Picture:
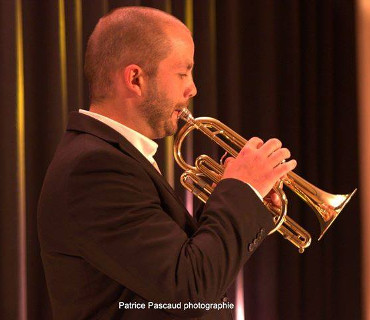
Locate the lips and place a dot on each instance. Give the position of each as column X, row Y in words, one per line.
column 179, row 111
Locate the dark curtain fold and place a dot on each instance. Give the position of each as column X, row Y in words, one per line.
column 265, row 68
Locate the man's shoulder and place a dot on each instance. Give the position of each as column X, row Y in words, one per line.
column 86, row 149
column 84, row 142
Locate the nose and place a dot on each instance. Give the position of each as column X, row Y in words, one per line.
column 191, row 91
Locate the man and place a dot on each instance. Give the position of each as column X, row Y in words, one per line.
column 115, row 239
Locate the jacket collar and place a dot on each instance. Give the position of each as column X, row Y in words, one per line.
column 83, row 123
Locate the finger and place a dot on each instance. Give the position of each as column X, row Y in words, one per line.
column 275, row 199
column 270, row 146
column 279, row 156
column 283, row 168
column 254, row 143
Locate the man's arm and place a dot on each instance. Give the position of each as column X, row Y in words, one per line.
column 120, row 228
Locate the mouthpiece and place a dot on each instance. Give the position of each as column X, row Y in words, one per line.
column 186, row 115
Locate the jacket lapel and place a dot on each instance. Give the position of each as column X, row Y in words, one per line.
column 84, row 123
column 129, row 149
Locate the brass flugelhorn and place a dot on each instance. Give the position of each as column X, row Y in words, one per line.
column 199, row 179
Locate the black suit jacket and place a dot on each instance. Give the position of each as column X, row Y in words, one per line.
column 112, row 230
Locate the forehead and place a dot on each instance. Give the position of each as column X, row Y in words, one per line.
column 182, row 53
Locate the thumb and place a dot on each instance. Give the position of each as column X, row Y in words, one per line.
column 228, row 161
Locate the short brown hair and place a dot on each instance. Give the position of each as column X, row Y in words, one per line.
column 131, row 35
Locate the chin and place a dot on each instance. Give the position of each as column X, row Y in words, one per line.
column 175, row 126
column 171, row 129
column 171, row 132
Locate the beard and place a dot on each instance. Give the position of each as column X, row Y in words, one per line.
column 158, row 111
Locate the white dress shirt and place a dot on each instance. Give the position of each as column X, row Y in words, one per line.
column 146, row 146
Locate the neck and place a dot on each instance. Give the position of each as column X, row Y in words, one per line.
column 124, row 113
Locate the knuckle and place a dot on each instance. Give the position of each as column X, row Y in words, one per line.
column 249, row 147
column 228, row 160
column 257, row 157
column 245, row 150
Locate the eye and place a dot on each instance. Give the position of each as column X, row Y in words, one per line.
column 183, row 75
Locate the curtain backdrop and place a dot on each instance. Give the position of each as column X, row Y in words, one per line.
column 283, row 69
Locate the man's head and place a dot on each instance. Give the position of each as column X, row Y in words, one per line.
column 141, row 59
column 131, row 35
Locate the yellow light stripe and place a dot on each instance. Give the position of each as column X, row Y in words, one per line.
column 168, row 6
column 189, row 14
column 63, row 61
column 21, row 167
column 169, row 163
column 189, row 145
column 189, row 23
column 78, row 30
column 105, row 6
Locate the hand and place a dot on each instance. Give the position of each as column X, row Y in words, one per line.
column 260, row 164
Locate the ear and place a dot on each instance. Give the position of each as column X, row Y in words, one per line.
column 133, row 78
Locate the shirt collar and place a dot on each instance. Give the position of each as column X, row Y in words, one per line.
column 145, row 145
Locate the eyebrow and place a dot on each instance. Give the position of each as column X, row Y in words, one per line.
column 188, row 66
